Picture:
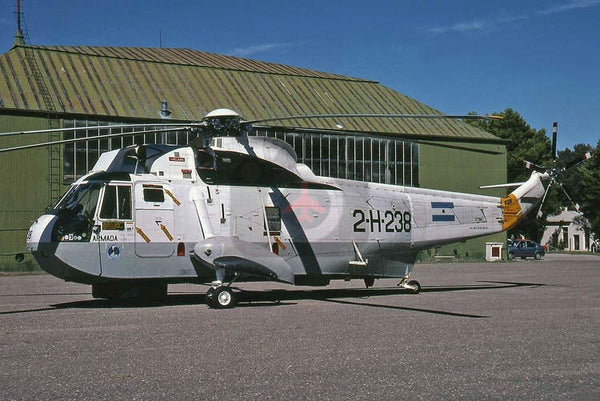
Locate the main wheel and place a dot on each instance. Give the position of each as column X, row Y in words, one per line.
column 220, row 298
column 369, row 281
column 416, row 286
column 210, row 295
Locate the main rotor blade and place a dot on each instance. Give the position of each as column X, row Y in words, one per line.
column 50, row 130
column 95, row 138
column 357, row 115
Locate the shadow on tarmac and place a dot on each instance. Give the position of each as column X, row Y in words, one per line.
column 270, row 298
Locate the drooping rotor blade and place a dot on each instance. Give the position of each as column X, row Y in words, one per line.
column 575, row 204
column 358, row 115
column 95, row 138
column 50, row 130
column 540, row 210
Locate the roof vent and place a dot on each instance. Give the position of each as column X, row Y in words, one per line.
column 164, row 110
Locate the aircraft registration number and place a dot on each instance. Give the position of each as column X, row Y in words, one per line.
column 389, row 221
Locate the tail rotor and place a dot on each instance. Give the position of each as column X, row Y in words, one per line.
column 555, row 171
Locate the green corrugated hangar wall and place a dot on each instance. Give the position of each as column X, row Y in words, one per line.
column 463, row 167
column 109, row 84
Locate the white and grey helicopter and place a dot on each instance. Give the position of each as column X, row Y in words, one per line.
column 232, row 207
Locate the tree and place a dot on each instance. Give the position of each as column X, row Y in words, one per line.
column 523, row 143
column 582, row 183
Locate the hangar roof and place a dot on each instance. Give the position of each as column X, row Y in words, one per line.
column 131, row 82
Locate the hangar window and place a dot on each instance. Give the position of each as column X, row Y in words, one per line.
column 354, row 157
column 80, row 157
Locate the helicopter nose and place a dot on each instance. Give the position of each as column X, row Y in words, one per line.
column 43, row 249
column 40, row 233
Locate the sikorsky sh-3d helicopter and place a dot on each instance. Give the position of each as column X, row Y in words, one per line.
column 232, row 207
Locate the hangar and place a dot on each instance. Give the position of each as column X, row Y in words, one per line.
column 76, row 86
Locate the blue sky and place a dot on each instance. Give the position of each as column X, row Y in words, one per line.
column 541, row 58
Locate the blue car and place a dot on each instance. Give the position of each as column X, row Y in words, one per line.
column 525, row 248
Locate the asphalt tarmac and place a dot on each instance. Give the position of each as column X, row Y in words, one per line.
column 511, row 330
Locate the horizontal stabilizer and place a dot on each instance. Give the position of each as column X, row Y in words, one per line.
column 509, row 185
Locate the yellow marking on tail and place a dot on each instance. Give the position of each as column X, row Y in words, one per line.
column 512, row 213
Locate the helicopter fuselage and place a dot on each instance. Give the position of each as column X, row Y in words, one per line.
column 263, row 216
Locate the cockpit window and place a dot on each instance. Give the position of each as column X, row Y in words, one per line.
column 81, row 199
column 116, row 202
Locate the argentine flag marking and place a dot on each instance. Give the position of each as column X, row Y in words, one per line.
column 442, row 211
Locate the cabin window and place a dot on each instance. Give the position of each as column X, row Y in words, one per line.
column 154, row 195
column 273, row 214
column 116, row 203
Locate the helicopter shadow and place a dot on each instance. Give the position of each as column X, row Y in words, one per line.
column 276, row 298
column 349, row 296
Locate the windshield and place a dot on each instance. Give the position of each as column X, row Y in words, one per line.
column 81, row 199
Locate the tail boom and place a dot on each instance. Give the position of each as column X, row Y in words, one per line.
column 522, row 200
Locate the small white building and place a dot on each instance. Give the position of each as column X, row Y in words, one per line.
column 568, row 231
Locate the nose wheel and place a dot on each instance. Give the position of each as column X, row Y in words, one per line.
column 220, row 297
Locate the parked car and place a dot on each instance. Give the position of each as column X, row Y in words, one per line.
column 525, row 248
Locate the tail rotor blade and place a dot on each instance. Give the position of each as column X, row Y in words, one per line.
column 575, row 204
column 540, row 211
column 532, row 166
column 580, row 160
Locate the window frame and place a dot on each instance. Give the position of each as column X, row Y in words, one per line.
column 101, row 202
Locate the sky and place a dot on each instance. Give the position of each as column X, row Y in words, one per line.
column 540, row 58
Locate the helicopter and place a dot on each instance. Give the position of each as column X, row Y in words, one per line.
column 230, row 207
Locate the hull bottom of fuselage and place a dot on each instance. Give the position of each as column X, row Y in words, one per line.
column 53, row 265
column 317, row 265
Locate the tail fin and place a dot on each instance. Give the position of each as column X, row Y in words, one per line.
column 523, row 199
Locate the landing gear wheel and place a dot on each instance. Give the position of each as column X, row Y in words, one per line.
column 414, row 286
column 220, row 297
column 369, row 281
column 210, row 294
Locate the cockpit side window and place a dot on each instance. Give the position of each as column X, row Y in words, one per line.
column 124, row 202
column 81, row 199
column 116, row 203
